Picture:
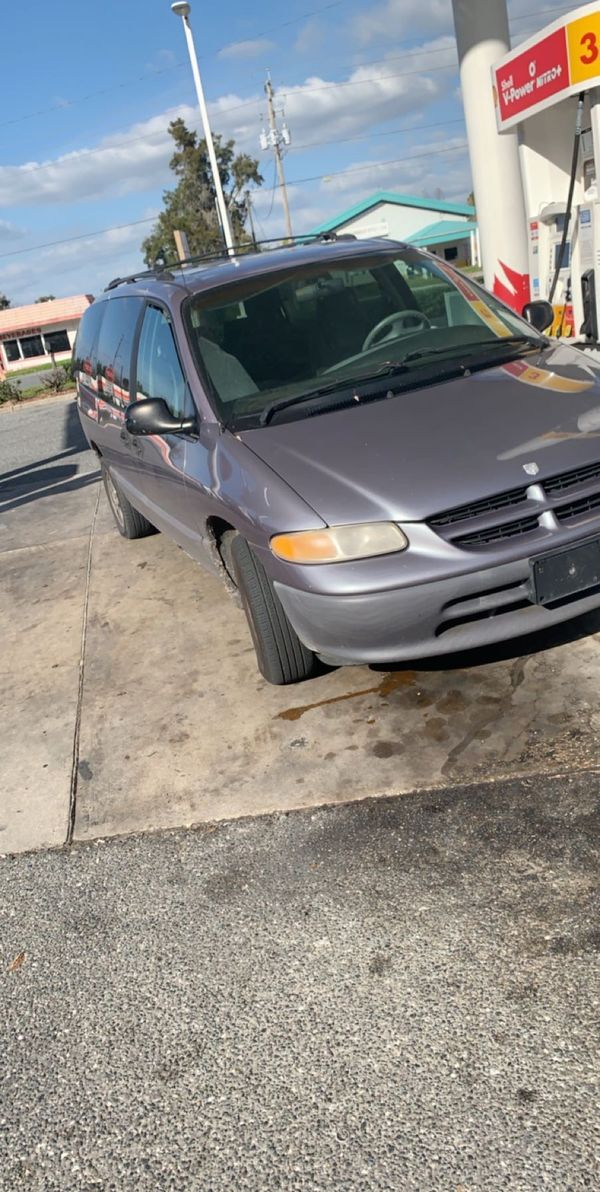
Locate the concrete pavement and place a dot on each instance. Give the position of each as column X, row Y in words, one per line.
column 384, row 997
column 131, row 699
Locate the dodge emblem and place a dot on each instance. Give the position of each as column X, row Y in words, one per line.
column 531, row 469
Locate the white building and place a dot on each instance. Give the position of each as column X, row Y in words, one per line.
column 447, row 229
column 36, row 334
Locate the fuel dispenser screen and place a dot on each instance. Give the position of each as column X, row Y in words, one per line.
column 566, row 260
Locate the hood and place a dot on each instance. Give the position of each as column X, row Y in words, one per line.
column 407, row 457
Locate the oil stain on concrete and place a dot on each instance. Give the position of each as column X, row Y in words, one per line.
column 178, row 727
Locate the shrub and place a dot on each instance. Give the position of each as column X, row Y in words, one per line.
column 10, row 390
column 68, row 368
column 56, row 379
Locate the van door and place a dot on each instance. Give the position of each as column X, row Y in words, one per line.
column 111, row 367
column 159, row 461
column 84, row 358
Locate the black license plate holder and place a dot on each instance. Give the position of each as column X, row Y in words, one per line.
column 566, row 573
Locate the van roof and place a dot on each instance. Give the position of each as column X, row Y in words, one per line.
column 210, row 272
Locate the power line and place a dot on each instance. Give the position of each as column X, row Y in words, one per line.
column 71, row 103
column 374, row 164
column 293, row 182
column 250, row 102
column 17, row 252
column 70, row 158
column 526, row 15
column 390, row 132
column 273, row 29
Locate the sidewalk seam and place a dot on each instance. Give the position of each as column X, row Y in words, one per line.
column 77, row 729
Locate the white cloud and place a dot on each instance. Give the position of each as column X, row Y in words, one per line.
column 525, row 21
column 422, row 167
column 247, row 49
column 317, row 109
column 83, row 266
column 134, row 160
column 162, row 60
column 310, row 37
column 394, row 20
column 9, row 232
column 425, row 169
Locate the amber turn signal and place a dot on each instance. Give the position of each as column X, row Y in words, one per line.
column 339, row 544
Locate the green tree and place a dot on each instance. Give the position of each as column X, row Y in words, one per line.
column 4, row 302
column 190, row 206
column 46, row 298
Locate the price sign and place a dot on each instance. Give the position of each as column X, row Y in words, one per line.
column 584, row 48
column 560, row 60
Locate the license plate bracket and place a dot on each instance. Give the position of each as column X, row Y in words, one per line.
column 566, row 573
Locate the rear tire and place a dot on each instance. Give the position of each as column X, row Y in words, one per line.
column 130, row 523
column 282, row 658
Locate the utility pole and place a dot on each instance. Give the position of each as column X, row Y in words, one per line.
column 274, row 139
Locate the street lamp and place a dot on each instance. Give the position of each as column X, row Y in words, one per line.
column 182, row 9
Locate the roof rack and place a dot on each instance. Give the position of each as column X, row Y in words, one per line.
column 158, row 271
column 161, row 269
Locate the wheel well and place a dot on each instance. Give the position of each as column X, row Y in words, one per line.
column 217, row 527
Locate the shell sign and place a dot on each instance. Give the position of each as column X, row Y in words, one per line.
column 561, row 60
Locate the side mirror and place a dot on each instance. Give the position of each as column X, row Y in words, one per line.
column 152, row 416
column 539, row 313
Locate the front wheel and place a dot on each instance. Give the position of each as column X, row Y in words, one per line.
column 282, row 658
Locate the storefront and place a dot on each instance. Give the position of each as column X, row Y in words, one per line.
column 40, row 333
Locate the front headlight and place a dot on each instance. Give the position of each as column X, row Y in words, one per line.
column 338, row 544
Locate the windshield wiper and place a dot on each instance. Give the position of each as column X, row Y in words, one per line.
column 393, row 368
column 481, row 345
column 283, row 403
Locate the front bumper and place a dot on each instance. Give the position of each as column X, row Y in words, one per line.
column 438, row 617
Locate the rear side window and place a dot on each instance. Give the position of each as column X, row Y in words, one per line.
column 115, row 348
column 87, row 334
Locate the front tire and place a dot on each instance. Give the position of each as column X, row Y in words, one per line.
column 130, row 523
column 282, row 658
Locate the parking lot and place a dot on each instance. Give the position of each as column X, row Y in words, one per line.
column 392, row 993
column 131, row 698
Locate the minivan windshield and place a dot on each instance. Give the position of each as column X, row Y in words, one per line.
column 268, row 341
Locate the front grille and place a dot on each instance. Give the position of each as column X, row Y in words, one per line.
column 515, row 496
column 502, row 516
column 575, row 509
column 524, row 525
column 558, row 484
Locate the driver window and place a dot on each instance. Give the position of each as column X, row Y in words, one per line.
column 159, row 372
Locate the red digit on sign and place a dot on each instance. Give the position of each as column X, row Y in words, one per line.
column 590, row 41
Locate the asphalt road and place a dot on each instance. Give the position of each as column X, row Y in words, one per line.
column 394, row 995
column 47, row 430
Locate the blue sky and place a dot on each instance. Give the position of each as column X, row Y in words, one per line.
column 370, row 91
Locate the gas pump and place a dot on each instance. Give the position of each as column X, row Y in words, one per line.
column 549, row 266
column 549, row 89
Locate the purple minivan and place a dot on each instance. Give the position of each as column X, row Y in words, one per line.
column 382, row 460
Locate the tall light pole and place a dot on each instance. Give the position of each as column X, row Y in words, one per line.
column 182, row 9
